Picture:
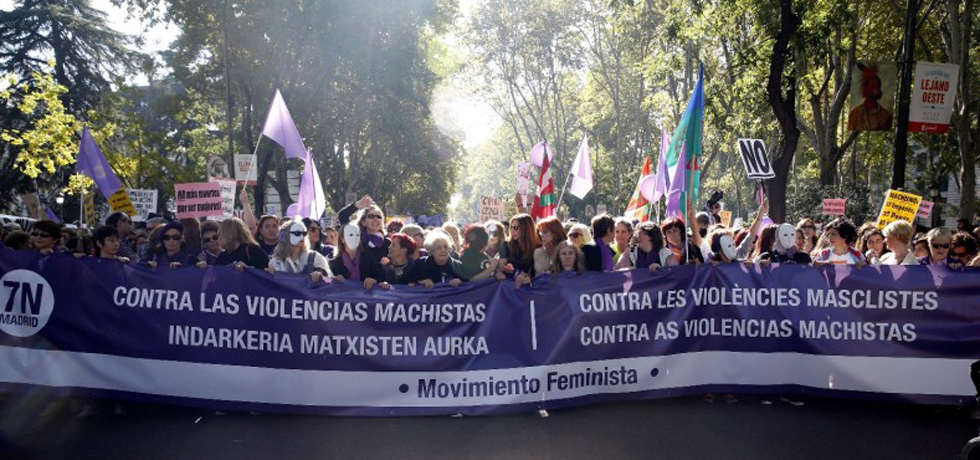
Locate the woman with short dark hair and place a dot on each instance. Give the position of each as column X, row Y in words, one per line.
column 46, row 237
column 172, row 252
column 598, row 254
column 105, row 240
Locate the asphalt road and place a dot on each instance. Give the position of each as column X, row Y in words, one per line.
column 35, row 427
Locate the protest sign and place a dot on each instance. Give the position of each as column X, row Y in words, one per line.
column 218, row 169
column 898, row 206
column 755, row 159
column 491, row 208
column 523, row 179
column 872, row 96
column 33, row 205
column 834, row 206
column 88, row 207
column 198, row 199
column 204, row 337
column 120, row 202
column 933, row 95
column 925, row 208
column 144, row 201
column 726, row 218
column 246, row 169
column 228, row 188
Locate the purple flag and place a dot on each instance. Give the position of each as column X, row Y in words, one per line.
column 663, row 181
column 92, row 163
column 677, row 185
column 279, row 127
column 51, row 215
column 311, row 201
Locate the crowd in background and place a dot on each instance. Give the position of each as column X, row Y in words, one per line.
column 365, row 249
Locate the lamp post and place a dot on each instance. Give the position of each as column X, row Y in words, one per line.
column 936, row 208
column 60, row 201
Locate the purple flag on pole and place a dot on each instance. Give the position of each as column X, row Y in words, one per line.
column 677, row 185
column 279, row 127
column 663, row 181
column 51, row 215
column 92, row 163
column 311, row 201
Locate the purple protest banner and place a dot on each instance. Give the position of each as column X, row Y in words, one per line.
column 205, row 337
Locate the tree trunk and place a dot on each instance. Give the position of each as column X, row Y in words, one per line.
column 960, row 27
column 784, row 108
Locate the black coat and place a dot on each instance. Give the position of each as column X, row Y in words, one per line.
column 368, row 267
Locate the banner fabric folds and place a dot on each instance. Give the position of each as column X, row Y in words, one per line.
column 254, row 341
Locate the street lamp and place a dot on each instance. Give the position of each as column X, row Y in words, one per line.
column 934, row 193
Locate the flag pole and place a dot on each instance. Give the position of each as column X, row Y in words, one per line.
column 562, row 195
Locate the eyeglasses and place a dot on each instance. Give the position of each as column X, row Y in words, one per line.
column 170, row 237
column 940, row 245
column 809, row 227
column 574, row 235
column 208, row 239
column 493, row 233
column 372, row 216
column 41, row 235
column 960, row 254
column 515, row 227
column 298, row 233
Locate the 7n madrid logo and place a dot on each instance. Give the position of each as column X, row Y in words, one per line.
column 26, row 301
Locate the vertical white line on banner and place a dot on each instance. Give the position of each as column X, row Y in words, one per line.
column 534, row 329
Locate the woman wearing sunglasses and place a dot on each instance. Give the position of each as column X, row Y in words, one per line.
column 171, row 252
column 293, row 253
column 940, row 239
column 371, row 221
column 46, row 236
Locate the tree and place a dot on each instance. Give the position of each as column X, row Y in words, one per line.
column 85, row 50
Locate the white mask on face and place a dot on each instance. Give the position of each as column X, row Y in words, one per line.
column 786, row 235
column 352, row 236
column 727, row 246
column 296, row 227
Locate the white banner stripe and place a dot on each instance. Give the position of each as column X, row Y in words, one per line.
column 923, row 376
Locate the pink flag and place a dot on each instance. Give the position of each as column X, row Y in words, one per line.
column 279, row 127
column 663, row 182
column 582, row 170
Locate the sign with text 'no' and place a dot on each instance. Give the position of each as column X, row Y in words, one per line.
column 755, row 159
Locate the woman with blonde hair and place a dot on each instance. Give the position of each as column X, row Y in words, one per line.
column 580, row 235
column 239, row 245
column 898, row 236
column 293, row 253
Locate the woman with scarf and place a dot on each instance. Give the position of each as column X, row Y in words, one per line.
column 598, row 254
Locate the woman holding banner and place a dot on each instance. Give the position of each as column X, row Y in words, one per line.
column 940, row 239
column 840, row 234
column 293, row 255
column 650, row 251
column 171, row 253
column 106, row 242
column 898, row 236
column 240, row 247
column 551, row 232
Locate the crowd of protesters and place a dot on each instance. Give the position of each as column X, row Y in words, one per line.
column 363, row 249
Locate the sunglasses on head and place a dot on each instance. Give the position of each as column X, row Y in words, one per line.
column 170, row 237
column 208, row 239
column 940, row 245
column 298, row 233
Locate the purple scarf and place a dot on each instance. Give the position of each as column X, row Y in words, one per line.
column 607, row 255
column 353, row 264
column 373, row 241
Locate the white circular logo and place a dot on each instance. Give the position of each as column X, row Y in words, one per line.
column 26, row 302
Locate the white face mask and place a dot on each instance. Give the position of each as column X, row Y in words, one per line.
column 727, row 247
column 352, row 236
column 786, row 234
column 297, row 231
